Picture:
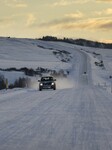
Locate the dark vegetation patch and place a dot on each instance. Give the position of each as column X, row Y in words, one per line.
column 100, row 64
column 81, row 42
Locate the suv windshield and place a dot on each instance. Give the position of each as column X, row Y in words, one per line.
column 47, row 79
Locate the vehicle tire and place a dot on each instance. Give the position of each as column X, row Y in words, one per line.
column 54, row 88
column 40, row 89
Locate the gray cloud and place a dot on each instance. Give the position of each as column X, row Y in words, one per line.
column 106, row 26
column 16, row 3
column 5, row 20
column 104, row 0
column 68, row 2
column 57, row 22
column 72, row 24
column 69, row 18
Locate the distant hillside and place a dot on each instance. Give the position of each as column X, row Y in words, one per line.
column 82, row 42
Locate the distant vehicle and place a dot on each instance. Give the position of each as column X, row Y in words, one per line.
column 47, row 82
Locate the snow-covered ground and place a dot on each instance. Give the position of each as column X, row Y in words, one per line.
column 76, row 116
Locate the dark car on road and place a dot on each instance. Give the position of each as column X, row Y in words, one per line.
column 47, row 82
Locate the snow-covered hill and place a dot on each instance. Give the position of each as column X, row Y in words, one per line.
column 20, row 53
column 28, row 53
column 33, row 53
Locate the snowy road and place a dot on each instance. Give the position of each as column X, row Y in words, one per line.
column 56, row 120
column 65, row 119
column 83, row 79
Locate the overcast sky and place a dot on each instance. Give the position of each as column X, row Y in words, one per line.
column 89, row 19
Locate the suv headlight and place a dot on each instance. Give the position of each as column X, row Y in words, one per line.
column 52, row 83
column 41, row 84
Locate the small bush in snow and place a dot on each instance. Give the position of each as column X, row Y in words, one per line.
column 2, row 82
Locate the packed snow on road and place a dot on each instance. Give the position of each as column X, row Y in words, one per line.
column 75, row 116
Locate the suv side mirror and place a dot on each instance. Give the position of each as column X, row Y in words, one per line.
column 38, row 80
column 54, row 80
